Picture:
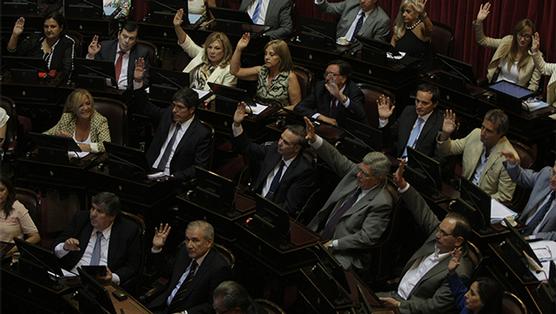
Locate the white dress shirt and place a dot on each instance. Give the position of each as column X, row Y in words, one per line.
column 417, row 271
column 262, row 13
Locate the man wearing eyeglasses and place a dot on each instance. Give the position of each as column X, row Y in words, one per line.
column 424, row 287
column 334, row 98
column 359, row 209
column 539, row 214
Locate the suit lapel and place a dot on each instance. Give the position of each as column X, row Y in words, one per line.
column 187, row 135
column 131, row 66
column 363, row 202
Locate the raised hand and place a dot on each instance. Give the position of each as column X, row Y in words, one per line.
column 19, row 26
column 94, row 47
column 420, row 6
column 536, row 43
column 243, row 41
column 332, row 88
column 311, row 136
column 484, row 10
column 178, row 18
column 454, row 261
column 139, row 71
column 449, row 125
column 511, row 158
column 398, row 175
column 240, row 113
column 160, row 235
column 385, row 107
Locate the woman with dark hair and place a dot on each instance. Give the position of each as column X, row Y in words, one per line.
column 210, row 63
column 56, row 48
column 484, row 296
column 511, row 60
column 276, row 80
column 15, row 221
column 412, row 30
column 82, row 122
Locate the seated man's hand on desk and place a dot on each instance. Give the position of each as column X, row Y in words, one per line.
column 71, row 244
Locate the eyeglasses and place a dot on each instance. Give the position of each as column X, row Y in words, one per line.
column 326, row 74
column 525, row 36
column 443, row 233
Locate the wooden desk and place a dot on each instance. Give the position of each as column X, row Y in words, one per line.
column 129, row 305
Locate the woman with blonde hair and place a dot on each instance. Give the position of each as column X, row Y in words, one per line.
column 210, row 63
column 82, row 122
column 413, row 28
column 511, row 60
column 276, row 81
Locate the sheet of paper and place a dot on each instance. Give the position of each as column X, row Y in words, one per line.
column 543, row 249
column 499, row 211
column 201, row 93
column 78, row 154
column 156, row 175
column 545, row 273
column 193, row 18
column 257, row 108
column 401, row 54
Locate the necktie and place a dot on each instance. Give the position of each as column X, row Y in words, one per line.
column 275, row 181
column 257, row 11
column 330, row 226
column 95, row 257
column 166, row 154
column 413, row 136
column 358, row 24
column 333, row 108
column 541, row 212
column 184, row 288
column 119, row 61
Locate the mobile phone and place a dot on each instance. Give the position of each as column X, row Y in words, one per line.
column 119, row 294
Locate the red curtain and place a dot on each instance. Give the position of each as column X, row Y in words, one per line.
column 459, row 15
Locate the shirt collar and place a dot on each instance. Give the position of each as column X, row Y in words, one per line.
column 426, row 117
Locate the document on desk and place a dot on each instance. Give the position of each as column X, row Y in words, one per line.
column 257, row 108
column 543, row 249
column 499, row 211
column 544, row 274
column 78, row 154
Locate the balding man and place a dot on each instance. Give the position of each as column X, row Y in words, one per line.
column 359, row 209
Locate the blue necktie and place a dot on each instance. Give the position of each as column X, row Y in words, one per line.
column 413, row 136
column 95, row 257
column 257, row 11
column 168, row 150
column 541, row 212
column 358, row 25
column 330, row 227
column 275, row 181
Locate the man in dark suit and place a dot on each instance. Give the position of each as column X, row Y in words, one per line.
column 124, row 52
column 285, row 176
column 418, row 125
column 335, row 98
column 358, row 17
column 359, row 209
column 539, row 214
column 101, row 236
column 198, row 269
column 231, row 297
column 181, row 141
column 273, row 13
column 424, row 286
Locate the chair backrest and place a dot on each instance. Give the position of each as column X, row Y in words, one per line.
column 474, row 254
column 31, row 200
column 211, row 143
column 527, row 157
column 227, row 254
column 116, row 113
column 78, row 38
column 442, row 39
column 269, row 307
column 153, row 51
column 135, row 281
column 512, row 304
column 372, row 93
column 305, row 78
column 10, row 140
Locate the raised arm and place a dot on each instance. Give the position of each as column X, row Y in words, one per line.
column 180, row 33
column 16, row 32
column 235, row 63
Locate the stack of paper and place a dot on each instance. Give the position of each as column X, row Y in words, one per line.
column 499, row 211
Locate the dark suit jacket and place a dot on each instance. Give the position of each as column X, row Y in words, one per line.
column 426, row 143
column 209, row 275
column 109, row 50
column 319, row 102
column 432, row 293
column 193, row 149
column 297, row 182
column 278, row 17
column 123, row 251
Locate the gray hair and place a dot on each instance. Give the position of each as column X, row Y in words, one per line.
column 208, row 229
column 500, row 119
column 379, row 163
column 233, row 295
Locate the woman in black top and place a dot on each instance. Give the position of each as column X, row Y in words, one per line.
column 413, row 28
column 56, row 48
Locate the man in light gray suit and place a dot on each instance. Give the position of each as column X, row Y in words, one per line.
column 539, row 214
column 273, row 13
column 424, row 286
column 375, row 24
column 359, row 209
